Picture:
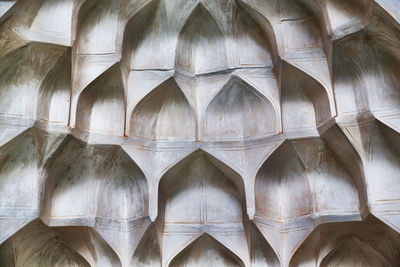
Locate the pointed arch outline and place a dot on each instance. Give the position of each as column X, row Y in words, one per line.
column 200, row 7
column 328, row 88
column 21, row 149
column 95, row 197
column 93, row 234
column 381, row 55
column 340, row 53
column 152, row 93
column 382, row 138
column 255, row 231
column 269, row 31
column 37, row 227
column 119, row 152
column 52, row 77
column 146, row 233
column 343, row 239
column 278, row 150
column 358, row 176
column 267, row 101
column 320, row 119
column 268, row 240
column 146, row 10
column 76, row 100
column 246, row 25
column 238, row 181
column 310, row 188
column 198, row 237
column 46, row 57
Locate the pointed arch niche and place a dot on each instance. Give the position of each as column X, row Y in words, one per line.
column 54, row 93
column 147, row 253
column 164, row 114
column 315, row 177
column 201, row 189
column 350, row 89
column 354, row 252
column 227, row 117
column 379, row 72
column 88, row 181
column 19, row 173
column 21, row 162
column 273, row 198
column 201, row 44
column 261, row 251
column 88, row 243
column 252, row 44
column 206, row 251
column 22, row 73
column 147, row 31
column 38, row 245
column 305, row 102
column 101, row 105
column 366, row 243
column 384, row 162
column 97, row 18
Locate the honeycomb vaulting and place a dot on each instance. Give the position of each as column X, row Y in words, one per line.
column 199, row 133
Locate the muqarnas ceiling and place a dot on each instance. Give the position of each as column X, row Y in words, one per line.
column 199, row 133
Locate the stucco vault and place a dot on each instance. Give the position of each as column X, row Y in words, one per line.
column 199, row 133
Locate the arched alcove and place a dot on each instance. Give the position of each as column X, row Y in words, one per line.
column 346, row 158
column 350, row 91
column 97, row 18
column 124, row 186
column 76, row 171
column 201, row 194
column 204, row 251
column 252, row 46
column 275, row 199
column 201, row 190
column 365, row 243
column 354, row 252
column 262, row 253
column 54, row 93
column 146, row 39
column 385, row 91
column 314, row 175
column 38, row 245
column 21, row 160
column 378, row 70
column 101, row 105
column 305, row 102
column 147, row 252
column 327, row 176
column 300, row 35
column 105, row 175
column 22, row 73
column 227, row 115
column 201, row 46
column 90, row 245
column 297, row 107
column 205, row 38
column 164, row 114
column 383, row 153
